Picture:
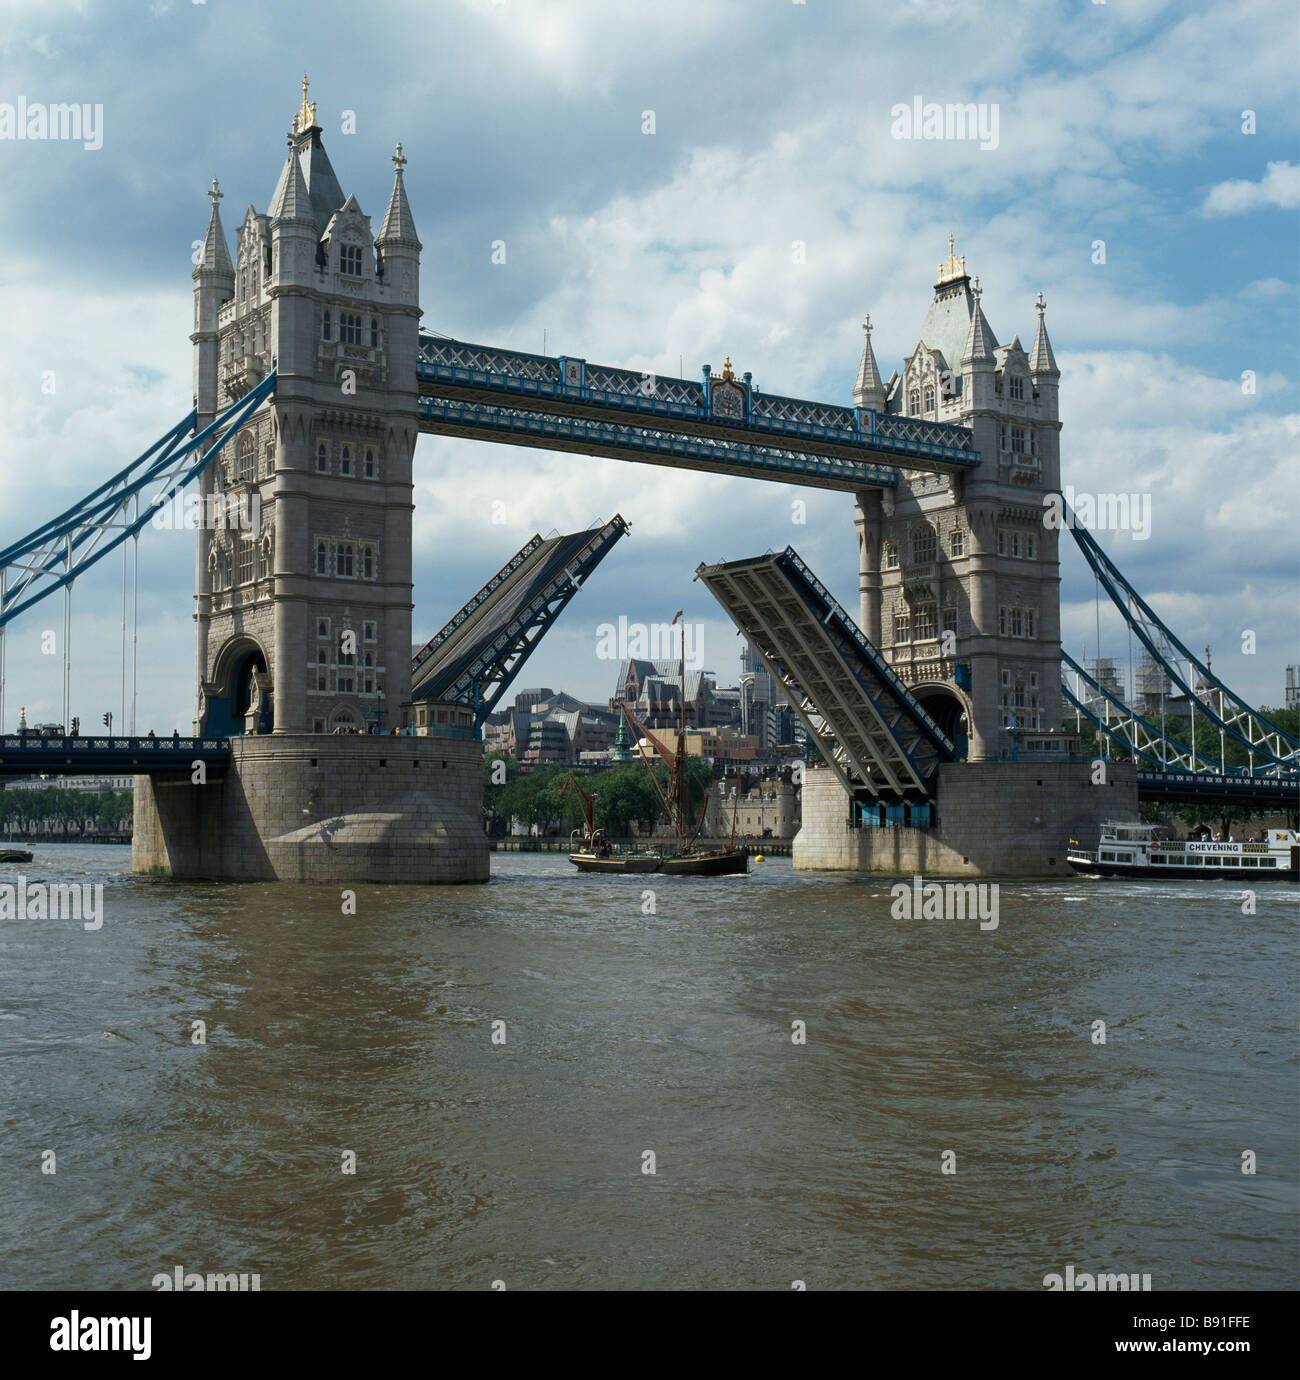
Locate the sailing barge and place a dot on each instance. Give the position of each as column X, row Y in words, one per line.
column 596, row 854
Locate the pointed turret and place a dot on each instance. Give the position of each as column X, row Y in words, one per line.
column 980, row 341
column 398, row 225
column 869, row 390
column 214, row 254
column 1042, row 362
column 292, row 200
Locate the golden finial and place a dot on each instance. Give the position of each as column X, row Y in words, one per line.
column 955, row 267
column 305, row 119
column 727, row 375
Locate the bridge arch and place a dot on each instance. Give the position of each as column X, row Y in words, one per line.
column 233, row 688
column 950, row 708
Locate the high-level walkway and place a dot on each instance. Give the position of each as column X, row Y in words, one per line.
column 722, row 424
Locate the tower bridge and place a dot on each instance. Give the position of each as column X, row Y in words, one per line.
column 312, row 382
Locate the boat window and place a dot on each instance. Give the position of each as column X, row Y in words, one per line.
column 1250, row 862
column 1268, row 862
column 1156, row 858
column 1229, row 862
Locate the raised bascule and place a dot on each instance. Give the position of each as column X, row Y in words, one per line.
column 938, row 713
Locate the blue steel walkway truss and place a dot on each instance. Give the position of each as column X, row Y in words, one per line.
column 721, row 425
column 871, row 730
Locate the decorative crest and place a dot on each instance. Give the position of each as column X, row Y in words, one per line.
column 955, row 268
column 305, row 119
column 727, row 376
column 1040, row 306
column 215, row 193
column 398, row 160
column 866, row 323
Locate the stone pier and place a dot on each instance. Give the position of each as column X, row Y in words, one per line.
column 992, row 819
column 321, row 808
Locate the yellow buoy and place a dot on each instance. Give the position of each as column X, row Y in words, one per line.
column 758, row 857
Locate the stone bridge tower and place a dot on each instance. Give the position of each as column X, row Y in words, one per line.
column 303, row 648
column 959, row 576
column 304, row 599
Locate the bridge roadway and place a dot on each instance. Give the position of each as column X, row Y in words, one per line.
column 722, row 425
column 474, row 657
column 31, row 754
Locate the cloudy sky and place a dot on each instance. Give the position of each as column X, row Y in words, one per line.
column 523, row 121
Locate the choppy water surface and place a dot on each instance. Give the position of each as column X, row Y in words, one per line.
column 629, row 1032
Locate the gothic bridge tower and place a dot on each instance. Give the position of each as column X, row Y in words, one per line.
column 304, row 612
column 303, row 573
column 959, row 577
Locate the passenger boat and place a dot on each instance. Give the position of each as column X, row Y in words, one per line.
column 595, row 854
column 13, row 855
column 1149, row 850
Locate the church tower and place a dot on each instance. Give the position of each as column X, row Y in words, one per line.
column 304, row 573
column 958, row 575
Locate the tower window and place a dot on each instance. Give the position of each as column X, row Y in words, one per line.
column 926, row 627
column 322, row 458
column 349, row 328
column 891, row 556
column 1002, row 542
column 1017, row 387
column 344, row 558
column 345, row 466
column 246, row 561
column 244, row 460
column 374, row 333
column 322, row 624
column 325, row 326
column 1017, row 440
column 924, row 545
column 350, row 259
column 914, row 402
column 902, row 626
column 368, row 562
column 370, row 464
column 322, row 559
column 928, row 404
column 957, row 544
column 368, row 632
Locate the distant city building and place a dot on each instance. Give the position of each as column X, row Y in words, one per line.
column 88, row 785
column 653, row 691
column 1292, row 700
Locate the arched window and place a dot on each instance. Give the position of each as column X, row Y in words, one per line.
column 902, row 623
column 322, row 559
column 244, row 456
column 343, row 559
column 345, row 466
column 368, row 562
column 325, row 325
column 924, row 544
column 914, row 402
column 890, row 556
column 928, row 404
column 322, row 457
column 370, row 463
column 374, row 333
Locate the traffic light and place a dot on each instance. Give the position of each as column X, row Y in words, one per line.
column 108, row 721
column 76, row 725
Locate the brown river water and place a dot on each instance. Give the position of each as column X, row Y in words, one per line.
column 627, row 1032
